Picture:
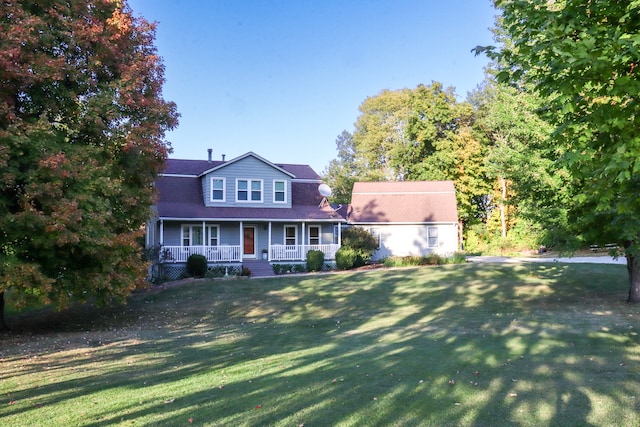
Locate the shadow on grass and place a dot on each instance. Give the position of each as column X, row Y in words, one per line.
column 453, row 345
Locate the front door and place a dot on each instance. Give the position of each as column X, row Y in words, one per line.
column 249, row 242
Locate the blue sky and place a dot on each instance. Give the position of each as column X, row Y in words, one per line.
column 283, row 78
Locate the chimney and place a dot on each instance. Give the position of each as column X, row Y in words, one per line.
column 209, row 151
column 223, row 156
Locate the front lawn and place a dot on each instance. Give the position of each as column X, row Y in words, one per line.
column 458, row 345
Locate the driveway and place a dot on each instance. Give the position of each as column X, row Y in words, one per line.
column 579, row 259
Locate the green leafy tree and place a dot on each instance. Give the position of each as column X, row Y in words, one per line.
column 519, row 160
column 421, row 134
column 342, row 172
column 82, row 124
column 380, row 131
column 582, row 59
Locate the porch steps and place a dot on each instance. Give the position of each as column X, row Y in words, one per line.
column 259, row 268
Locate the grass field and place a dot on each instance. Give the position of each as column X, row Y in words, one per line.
column 455, row 345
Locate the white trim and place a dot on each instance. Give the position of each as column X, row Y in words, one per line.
column 237, row 219
column 249, row 190
column 177, row 175
column 209, row 228
column 249, row 154
column 224, row 189
column 283, row 191
column 317, row 227
column 191, row 228
column 255, row 235
column 405, row 192
column 295, row 236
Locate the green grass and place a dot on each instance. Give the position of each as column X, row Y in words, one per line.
column 457, row 345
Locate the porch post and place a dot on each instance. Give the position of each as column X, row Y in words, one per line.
column 204, row 240
column 304, row 252
column 339, row 235
column 269, row 243
column 241, row 240
column 161, row 232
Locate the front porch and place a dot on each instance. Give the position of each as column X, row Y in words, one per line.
column 234, row 253
column 233, row 242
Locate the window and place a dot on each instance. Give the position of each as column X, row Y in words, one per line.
column 217, row 189
column 213, row 235
column 243, row 195
column 314, row 235
column 432, row 234
column 279, row 193
column 191, row 235
column 256, row 191
column 249, row 190
column 290, row 234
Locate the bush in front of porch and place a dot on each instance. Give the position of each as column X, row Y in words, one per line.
column 315, row 260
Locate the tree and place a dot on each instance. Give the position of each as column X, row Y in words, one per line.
column 379, row 132
column 82, row 124
column 520, row 160
column 582, row 58
column 341, row 172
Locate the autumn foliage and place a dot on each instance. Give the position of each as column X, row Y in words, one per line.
column 82, row 124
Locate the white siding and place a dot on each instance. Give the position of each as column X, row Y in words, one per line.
column 413, row 239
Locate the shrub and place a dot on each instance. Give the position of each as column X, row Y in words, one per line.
column 246, row 272
column 346, row 258
column 362, row 241
column 315, row 260
column 196, row 265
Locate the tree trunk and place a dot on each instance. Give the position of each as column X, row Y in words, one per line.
column 633, row 267
column 503, row 208
column 4, row 325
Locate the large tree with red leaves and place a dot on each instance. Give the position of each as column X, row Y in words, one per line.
column 82, row 126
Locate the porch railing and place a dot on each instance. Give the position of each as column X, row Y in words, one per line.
column 232, row 253
column 225, row 253
column 299, row 252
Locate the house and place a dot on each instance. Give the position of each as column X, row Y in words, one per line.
column 236, row 210
column 409, row 218
column 248, row 208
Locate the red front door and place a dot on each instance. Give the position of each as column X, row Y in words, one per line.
column 249, row 241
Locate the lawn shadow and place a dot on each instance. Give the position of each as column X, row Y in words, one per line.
column 451, row 345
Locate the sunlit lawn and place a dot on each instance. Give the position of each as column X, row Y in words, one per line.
column 459, row 345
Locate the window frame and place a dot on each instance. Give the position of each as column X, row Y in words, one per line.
column 319, row 236
column 191, row 235
column 249, row 190
column 295, row 234
column 284, row 191
column 224, row 189
column 210, row 228
column 430, row 236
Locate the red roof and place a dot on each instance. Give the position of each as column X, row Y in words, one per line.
column 403, row 202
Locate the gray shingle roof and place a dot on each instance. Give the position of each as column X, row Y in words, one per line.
column 196, row 167
column 181, row 197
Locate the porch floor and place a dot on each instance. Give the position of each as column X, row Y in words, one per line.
column 259, row 268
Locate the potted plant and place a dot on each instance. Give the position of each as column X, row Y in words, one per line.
column 265, row 254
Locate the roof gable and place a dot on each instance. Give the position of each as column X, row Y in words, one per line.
column 244, row 156
column 182, row 167
column 403, row 202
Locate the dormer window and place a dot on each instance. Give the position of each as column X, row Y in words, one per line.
column 279, row 192
column 217, row 189
column 249, row 190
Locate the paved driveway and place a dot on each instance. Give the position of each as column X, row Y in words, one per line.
column 582, row 259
